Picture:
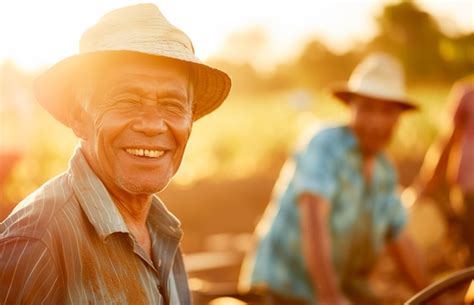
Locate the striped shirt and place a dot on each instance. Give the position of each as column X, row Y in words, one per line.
column 67, row 243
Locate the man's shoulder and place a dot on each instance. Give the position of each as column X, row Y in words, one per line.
column 32, row 217
column 330, row 138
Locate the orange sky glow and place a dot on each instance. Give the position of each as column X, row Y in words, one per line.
column 39, row 33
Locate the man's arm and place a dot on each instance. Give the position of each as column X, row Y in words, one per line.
column 435, row 165
column 314, row 215
column 408, row 258
column 28, row 274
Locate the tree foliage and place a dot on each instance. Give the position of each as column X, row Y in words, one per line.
column 404, row 30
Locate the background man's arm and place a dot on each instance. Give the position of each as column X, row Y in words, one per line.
column 408, row 258
column 314, row 217
column 435, row 166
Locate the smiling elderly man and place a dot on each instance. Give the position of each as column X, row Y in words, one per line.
column 97, row 234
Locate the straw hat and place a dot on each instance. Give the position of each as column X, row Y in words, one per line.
column 130, row 32
column 379, row 77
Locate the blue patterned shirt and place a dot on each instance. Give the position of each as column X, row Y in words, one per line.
column 363, row 216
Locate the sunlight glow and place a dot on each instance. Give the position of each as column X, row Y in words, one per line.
column 39, row 33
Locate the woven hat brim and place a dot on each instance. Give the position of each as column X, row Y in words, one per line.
column 54, row 89
column 344, row 94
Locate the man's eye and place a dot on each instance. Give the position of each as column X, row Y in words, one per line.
column 173, row 105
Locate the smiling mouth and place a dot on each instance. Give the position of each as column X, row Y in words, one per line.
column 148, row 153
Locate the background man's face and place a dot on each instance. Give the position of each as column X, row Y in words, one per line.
column 373, row 122
column 138, row 125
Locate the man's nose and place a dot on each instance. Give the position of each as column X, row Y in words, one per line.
column 150, row 122
column 378, row 118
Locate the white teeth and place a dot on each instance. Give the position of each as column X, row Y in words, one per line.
column 145, row 152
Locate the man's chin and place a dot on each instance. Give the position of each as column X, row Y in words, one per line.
column 372, row 149
column 149, row 188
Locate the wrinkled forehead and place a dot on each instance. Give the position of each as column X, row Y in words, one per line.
column 137, row 74
column 139, row 68
column 141, row 77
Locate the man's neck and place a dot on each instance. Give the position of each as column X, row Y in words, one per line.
column 368, row 161
column 134, row 210
column 135, row 213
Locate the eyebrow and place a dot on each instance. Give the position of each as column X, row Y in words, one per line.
column 172, row 92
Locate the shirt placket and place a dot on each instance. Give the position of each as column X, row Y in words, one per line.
column 361, row 244
column 154, row 270
column 164, row 249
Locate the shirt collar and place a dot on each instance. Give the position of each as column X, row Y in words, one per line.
column 100, row 209
column 162, row 220
column 350, row 139
column 353, row 147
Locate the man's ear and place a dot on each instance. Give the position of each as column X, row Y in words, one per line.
column 79, row 122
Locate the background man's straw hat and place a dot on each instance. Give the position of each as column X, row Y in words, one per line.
column 380, row 77
column 139, row 30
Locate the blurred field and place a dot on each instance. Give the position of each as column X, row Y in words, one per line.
column 233, row 159
column 245, row 137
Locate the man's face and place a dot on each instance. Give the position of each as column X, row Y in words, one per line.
column 137, row 126
column 373, row 122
